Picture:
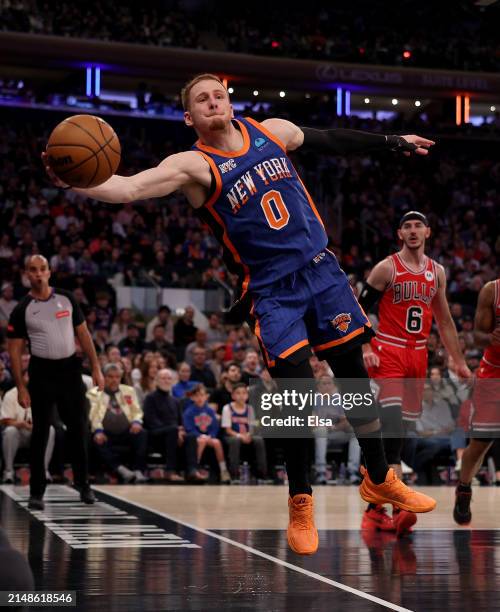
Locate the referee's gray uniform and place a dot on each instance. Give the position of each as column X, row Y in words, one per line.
column 54, row 378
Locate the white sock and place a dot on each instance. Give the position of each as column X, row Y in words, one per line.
column 222, row 466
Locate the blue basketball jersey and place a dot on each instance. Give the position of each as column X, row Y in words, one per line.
column 260, row 210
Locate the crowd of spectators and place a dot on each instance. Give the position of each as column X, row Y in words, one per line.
column 93, row 247
column 155, row 403
column 460, row 35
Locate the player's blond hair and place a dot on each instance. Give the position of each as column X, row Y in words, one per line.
column 186, row 90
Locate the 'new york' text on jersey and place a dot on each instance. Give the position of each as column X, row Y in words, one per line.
column 261, row 211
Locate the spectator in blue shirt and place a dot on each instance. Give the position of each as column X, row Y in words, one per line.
column 184, row 385
column 201, row 422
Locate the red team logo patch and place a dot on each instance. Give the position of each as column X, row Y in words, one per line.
column 342, row 322
column 203, row 421
column 63, row 313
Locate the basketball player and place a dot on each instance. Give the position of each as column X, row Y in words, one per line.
column 485, row 420
column 240, row 180
column 411, row 288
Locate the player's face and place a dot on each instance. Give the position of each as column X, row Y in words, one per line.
column 38, row 273
column 209, row 107
column 414, row 234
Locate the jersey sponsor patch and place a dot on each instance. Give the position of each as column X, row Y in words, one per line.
column 342, row 321
column 259, row 143
column 319, row 257
column 62, row 314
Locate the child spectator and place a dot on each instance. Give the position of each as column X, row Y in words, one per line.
column 237, row 420
column 201, row 422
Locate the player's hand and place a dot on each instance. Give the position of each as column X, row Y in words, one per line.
column 23, row 397
column 100, row 438
column 495, row 337
column 421, row 145
column 463, row 372
column 52, row 175
column 370, row 359
column 98, row 378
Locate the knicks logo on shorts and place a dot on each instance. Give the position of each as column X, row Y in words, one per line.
column 342, row 321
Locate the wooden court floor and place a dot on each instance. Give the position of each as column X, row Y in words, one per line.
column 156, row 547
column 265, row 507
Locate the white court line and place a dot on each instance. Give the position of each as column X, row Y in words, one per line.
column 255, row 551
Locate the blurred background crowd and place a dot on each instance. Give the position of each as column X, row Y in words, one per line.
column 457, row 36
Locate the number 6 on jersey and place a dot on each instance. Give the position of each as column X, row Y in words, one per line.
column 414, row 317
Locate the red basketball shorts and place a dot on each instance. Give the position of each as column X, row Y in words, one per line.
column 400, row 377
column 486, row 399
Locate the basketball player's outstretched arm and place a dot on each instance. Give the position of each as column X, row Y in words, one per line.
column 446, row 326
column 484, row 321
column 173, row 173
column 341, row 141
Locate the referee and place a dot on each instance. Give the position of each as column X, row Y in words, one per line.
column 48, row 319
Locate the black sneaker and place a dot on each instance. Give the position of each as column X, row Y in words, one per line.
column 86, row 494
column 36, row 503
column 461, row 511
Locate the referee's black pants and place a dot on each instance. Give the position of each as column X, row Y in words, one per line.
column 58, row 382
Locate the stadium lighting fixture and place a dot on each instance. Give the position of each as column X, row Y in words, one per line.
column 417, row 103
column 255, row 92
column 367, row 100
column 282, row 94
column 394, row 101
column 493, row 109
column 88, row 83
column 97, row 81
column 230, row 90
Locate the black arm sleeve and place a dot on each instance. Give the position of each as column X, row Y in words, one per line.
column 368, row 297
column 342, row 141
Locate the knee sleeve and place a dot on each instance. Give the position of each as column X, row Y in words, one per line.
column 392, row 421
column 353, row 378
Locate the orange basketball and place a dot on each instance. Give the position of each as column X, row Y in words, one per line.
column 83, row 151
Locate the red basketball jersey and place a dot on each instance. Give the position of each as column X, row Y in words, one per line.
column 492, row 353
column 405, row 313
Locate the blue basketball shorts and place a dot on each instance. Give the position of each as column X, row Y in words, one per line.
column 312, row 308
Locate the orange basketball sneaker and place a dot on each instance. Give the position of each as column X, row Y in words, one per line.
column 394, row 491
column 302, row 533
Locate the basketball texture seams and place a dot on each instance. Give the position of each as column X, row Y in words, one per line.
column 83, row 151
